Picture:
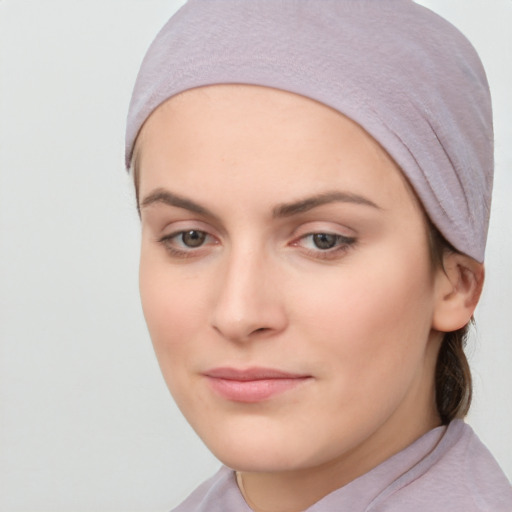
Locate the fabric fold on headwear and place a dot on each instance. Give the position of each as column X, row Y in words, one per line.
column 405, row 74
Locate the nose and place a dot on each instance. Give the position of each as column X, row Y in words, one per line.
column 248, row 302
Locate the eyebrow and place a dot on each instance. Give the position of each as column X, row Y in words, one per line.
column 162, row 196
column 308, row 203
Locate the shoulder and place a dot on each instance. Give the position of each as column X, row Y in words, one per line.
column 217, row 494
column 483, row 477
column 460, row 475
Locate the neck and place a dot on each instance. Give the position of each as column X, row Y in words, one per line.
column 298, row 489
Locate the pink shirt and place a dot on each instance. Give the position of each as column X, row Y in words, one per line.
column 446, row 470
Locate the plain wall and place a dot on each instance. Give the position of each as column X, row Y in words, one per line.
column 86, row 423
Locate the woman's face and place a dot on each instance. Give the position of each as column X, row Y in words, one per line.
column 285, row 280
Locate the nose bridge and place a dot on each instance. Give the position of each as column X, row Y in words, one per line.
column 247, row 301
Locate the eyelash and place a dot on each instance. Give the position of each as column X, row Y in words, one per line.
column 342, row 244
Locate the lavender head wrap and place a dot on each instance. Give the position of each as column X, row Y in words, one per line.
column 406, row 75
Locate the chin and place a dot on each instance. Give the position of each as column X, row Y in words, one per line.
column 260, row 449
column 269, row 460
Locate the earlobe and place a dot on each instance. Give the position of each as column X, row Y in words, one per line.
column 459, row 285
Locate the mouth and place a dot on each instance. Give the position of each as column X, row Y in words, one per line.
column 252, row 385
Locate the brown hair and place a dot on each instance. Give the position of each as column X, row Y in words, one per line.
column 454, row 388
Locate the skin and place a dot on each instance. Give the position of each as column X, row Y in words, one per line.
column 361, row 320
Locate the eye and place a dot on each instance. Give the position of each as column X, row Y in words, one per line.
column 186, row 243
column 193, row 238
column 325, row 240
column 324, row 245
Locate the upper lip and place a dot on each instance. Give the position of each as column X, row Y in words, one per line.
column 253, row 373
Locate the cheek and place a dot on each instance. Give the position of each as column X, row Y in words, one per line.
column 174, row 308
column 375, row 319
column 367, row 331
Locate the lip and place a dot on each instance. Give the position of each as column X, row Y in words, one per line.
column 252, row 385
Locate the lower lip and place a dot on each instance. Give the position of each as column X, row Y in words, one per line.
column 251, row 391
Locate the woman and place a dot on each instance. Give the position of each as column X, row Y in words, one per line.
column 314, row 180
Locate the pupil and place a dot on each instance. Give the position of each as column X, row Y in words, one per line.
column 324, row 240
column 193, row 238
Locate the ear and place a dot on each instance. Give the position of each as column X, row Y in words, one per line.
column 458, row 288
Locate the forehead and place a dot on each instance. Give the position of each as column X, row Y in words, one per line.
column 247, row 133
column 281, row 113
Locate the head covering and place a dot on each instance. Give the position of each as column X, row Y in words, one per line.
column 406, row 75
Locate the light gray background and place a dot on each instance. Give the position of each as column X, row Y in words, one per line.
column 86, row 423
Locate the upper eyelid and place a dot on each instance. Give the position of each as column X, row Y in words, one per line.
column 346, row 239
column 332, row 228
column 180, row 226
column 174, row 234
column 165, row 225
column 325, row 232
